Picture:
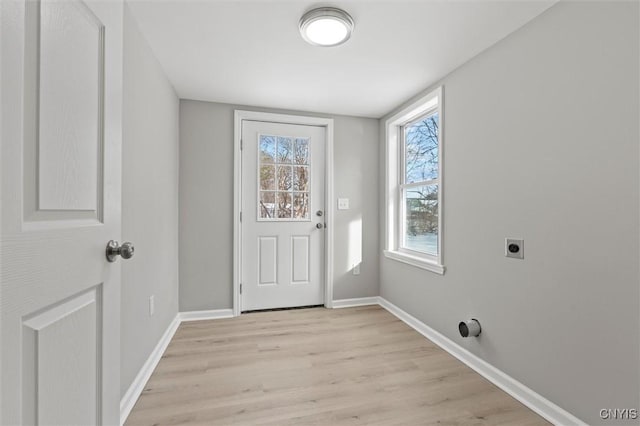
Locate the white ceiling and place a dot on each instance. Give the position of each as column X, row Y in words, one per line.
column 251, row 53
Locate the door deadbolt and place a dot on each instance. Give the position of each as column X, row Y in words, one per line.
column 114, row 250
column 319, row 213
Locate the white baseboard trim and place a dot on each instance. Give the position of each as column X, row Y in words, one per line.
column 206, row 315
column 133, row 393
column 536, row 402
column 360, row 301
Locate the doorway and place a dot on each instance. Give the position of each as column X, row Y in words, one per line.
column 283, row 232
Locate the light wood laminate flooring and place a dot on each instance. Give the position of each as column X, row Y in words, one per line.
column 354, row 366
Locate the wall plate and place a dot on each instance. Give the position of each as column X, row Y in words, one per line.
column 514, row 248
column 343, row 204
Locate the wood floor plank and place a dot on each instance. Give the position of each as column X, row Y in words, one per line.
column 355, row 366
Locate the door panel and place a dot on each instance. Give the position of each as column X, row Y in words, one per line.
column 63, row 340
column 60, row 204
column 268, row 260
column 283, row 186
column 69, row 101
column 64, row 112
column 300, row 259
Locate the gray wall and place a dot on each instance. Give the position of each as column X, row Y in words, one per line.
column 206, row 203
column 541, row 142
column 149, row 202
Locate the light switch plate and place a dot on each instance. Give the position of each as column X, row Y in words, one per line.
column 343, row 204
column 514, row 248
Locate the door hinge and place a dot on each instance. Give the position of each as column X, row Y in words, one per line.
column 241, row 144
column 240, row 216
column 240, row 288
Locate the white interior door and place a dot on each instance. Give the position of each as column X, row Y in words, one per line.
column 61, row 149
column 283, row 207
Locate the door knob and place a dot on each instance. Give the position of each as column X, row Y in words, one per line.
column 319, row 225
column 114, row 250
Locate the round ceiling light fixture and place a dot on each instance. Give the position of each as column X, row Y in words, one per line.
column 326, row 26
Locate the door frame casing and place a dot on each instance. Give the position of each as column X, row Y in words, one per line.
column 327, row 123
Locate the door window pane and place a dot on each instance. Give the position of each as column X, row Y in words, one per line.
column 301, row 178
column 301, row 151
column 284, row 205
column 421, row 219
column 300, row 205
column 267, row 206
column 285, row 150
column 268, row 178
column 267, row 149
column 284, row 178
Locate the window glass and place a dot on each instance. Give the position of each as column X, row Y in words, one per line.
column 300, row 205
column 285, row 150
column 267, row 149
column 419, row 187
column 267, row 204
column 301, row 155
column 284, row 174
column 421, row 149
column 421, row 219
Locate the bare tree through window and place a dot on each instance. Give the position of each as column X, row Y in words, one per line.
column 284, row 178
column 420, row 187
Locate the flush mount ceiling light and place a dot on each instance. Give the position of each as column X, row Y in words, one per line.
column 326, row 26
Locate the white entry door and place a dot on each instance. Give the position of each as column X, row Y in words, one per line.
column 283, row 202
column 60, row 195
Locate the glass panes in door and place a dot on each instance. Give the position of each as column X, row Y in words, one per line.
column 284, row 178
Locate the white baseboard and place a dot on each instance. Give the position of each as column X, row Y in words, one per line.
column 206, row 315
column 360, row 301
column 536, row 402
column 133, row 393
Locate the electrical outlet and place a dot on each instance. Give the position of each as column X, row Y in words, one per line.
column 152, row 306
column 514, row 248
column 356, row 269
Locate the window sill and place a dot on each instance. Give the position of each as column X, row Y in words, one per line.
column 416, row 261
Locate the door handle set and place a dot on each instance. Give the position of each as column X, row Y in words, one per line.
column 114, row 250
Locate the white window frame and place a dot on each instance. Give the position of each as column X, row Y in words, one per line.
column 394, row 222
